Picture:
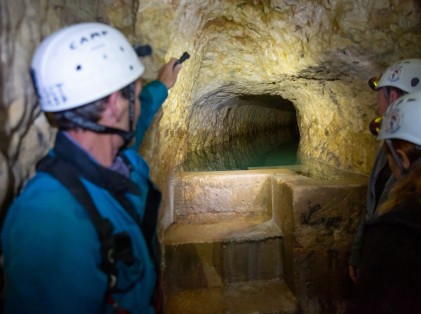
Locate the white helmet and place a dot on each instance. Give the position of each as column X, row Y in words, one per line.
column 82, row 63
column 402, row 119
column 405, row 75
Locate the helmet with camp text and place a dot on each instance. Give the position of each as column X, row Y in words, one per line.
column 82, row 63
column 402, row 119
column 404, row 74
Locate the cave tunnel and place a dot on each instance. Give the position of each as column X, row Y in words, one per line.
column 269, row 85
column 253, row 131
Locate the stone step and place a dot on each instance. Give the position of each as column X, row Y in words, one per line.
column 271, row 296
column 204, row 197
column 300, row 234
column 219, row 254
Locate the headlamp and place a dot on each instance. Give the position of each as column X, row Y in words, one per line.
column 143, row 50
column 375, row 125
column 373, row 83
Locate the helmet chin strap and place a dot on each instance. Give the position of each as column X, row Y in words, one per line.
column 132, row 95
column 386, row 93
column 127, row 136
column 95, row 127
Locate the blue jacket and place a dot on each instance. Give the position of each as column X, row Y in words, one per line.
column 51, row 249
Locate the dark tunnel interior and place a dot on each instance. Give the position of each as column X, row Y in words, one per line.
column 262, row 131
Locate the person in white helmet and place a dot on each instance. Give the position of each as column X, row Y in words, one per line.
column 389, row 278
column 397, row 80
column 81, row 237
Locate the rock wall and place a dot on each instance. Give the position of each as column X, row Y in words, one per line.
column 316, row 54
column 24, row 132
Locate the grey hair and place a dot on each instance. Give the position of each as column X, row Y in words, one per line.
column 91, row 112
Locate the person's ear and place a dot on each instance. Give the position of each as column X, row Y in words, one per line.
column 406, row 163
column 112, row 110
column 393, row 95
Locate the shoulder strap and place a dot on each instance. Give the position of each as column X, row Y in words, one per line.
column 149, row 222
column 148, row 227
column 67, row 175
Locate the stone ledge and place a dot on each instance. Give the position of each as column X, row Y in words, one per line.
column 206, row 197
column 238, row 229
column 217, row 196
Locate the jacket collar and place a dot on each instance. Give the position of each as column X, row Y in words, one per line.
column 112, row 181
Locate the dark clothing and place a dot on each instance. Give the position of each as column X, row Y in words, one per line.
column 390, row 271
column 381, row 180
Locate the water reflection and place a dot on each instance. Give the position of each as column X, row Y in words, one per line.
column 320, row 171
column 269, row 148
column 276, row 149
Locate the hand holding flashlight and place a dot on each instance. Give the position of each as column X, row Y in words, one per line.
column 183, row 58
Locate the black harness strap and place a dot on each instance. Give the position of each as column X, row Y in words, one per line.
column 114, row 247
column 149, row 222
column 117, row 246
column 67, row 175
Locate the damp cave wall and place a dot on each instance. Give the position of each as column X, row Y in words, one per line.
column 315, row 54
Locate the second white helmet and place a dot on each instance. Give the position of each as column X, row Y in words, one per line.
column 404, row 74
column 402, row 119
column 82, row 63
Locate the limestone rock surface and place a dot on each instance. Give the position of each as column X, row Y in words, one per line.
column 261, row 69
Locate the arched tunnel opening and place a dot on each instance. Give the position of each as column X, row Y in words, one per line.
column 237, row 229
column 243, row 132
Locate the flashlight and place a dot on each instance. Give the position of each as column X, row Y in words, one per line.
column 183, row 58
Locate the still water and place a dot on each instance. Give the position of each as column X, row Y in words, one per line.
column 276, row 149
column 270, row 148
